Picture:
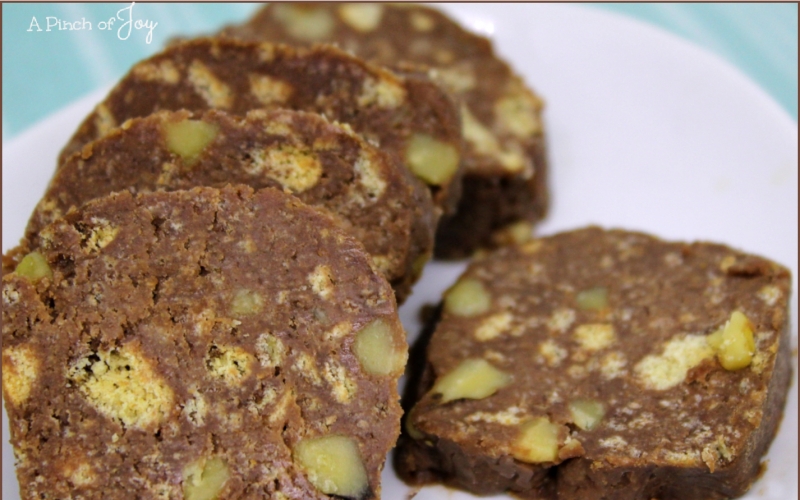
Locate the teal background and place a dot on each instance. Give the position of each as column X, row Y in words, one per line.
column 44, row 71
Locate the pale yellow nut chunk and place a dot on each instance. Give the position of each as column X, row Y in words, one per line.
column 472, row 379
column 412, row 430
column 204, row 479
column 376, row 350
column 586, row 413
column 514, row 234
column 518, row 113
column 593, row 299
column 433, row 161
column 305, row 22
column 733, row 343
column 363, row 17
column 467, row 298
column 419, row 264
column 537, row 441
column 333, row 465
column 246, row 302
column 188, row 138
column 34, row 267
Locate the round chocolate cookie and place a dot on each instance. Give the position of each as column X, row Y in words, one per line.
column 200, row 344
column 322, row 163
column 411, row 119
column 603, row 365
column 505, row 187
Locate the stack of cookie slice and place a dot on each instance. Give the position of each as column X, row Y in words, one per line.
column 504, row 160
column 206, row 296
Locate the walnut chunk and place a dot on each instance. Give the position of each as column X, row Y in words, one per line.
column 432, row 160
column 377, row 351
column 518, row 112
column 363, row 17
column 412, row 430
column 419, row 264
column 333, row 465
column 188, row 138
column 467, row 298
column 472, row 379
column 421, row 22
column 514, row 234
column 34, row 267
column 733, row 343
column 586, row 413
column 204, row 479
column 593, row 299
column 537, row 441
column 20, row 370
column 305, row 22
column 246, row 302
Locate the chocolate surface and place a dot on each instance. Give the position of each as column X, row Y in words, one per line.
column 504, row 158
column 166, row 342
column 322, row 163
column 606, row 340
column 402, row 116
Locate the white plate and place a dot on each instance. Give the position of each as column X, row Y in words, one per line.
column 646, row 132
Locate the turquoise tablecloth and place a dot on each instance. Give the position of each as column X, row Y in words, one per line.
column 43, row 71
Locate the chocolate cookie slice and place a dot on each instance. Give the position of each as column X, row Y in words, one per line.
column 200, row 344
column 411, row 119
column 603, row 365
column 505, row 186
column 322, row 163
